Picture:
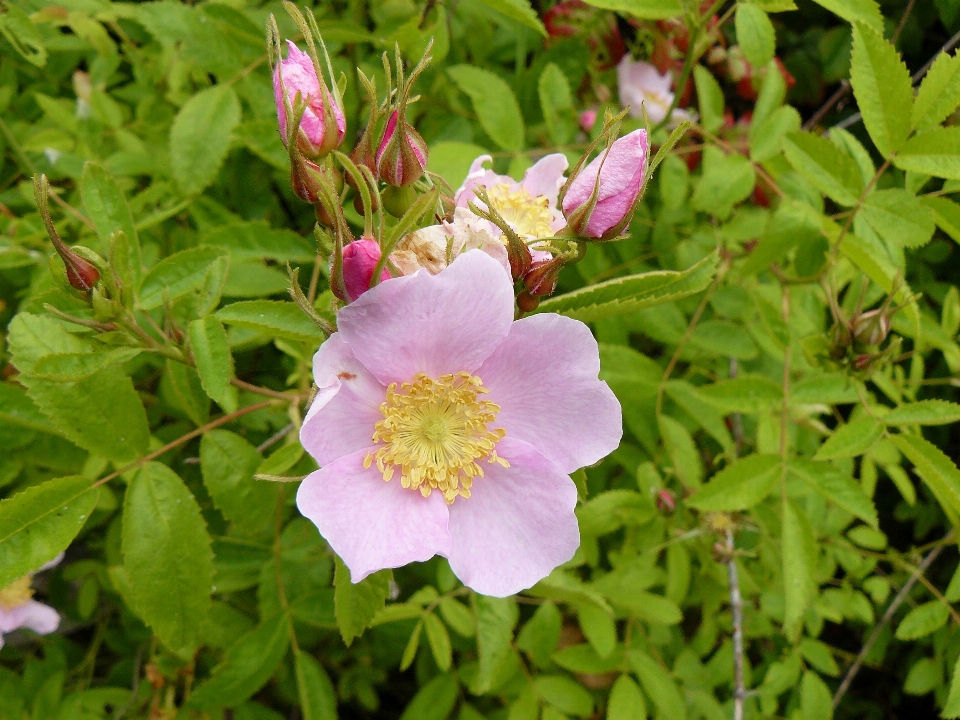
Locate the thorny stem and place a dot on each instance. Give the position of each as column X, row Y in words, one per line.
column 887, row 616
column 182, row 439
column 736, row 608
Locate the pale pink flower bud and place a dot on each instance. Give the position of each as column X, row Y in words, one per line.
column 359, row 261
column 402, row 156
column 323, row 126
column 588, row 118
column 621, row 179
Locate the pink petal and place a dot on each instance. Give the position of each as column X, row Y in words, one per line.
column 435, row 324
column 544, row 378
column 341, row 419
column 370, row 523
column 546, row 177
column 32, row 615
column 517, row 525
column 479, row 176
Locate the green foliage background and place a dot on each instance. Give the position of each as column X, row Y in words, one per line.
column 191, row 590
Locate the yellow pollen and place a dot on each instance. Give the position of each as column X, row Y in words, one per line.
column 529, row 216
column 16, row 593
column 435, row 433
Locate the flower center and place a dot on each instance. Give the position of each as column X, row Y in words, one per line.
column 16, row 593
column 529, row 216
column 435, row 432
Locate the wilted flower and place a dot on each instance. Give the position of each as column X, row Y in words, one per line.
column 433, row 248
column 323, row 126
column 443, row 427
column 18, row 609
column 642, row 87
column 528, row 206
column 621, row 172
column 360, row 259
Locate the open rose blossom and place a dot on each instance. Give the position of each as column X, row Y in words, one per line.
column 641, row 86
column 433, row 248
column 443, row 427
column 18, row 609
column 621, row 178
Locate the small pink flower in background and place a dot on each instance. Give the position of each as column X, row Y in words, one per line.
column 443, row 427
column 642, row 86
column 433, row 248
column 528, row 206
column 621, row 179
column 323, row 126
column 360, row 259
column 402, row 156
column 588, row 118
column 18, row 609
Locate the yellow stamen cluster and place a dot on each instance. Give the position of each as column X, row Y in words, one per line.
column 16, row 593
column 435, row 432
column 529, row 216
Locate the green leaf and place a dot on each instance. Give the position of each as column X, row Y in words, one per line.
column 109, row 211
column 626, row 701
column 541, row 633
column 646, row 9
column 181, row 388
column 745, row 394
column 19, row 30
column 799, row 564
column 228, row 463
column 494, row 103
column 599, row 627
column 565, row 694
column 831, row 482
column 459, row 617
column 247, row 666
column 934, row 468
column 633, row 292
column 201, row 135
column 357, row 603
column 167, row 556
column 816, row 700
column 766, row 136
column 923, row 677
column 281, row 460
column 899, row 218
column 40, row 522
column 518, row 10
column 683, row 453
column 452, row 160
column 708, row 417
column 924, row 412
column 495, row 620
column 257, row 240
column 939, row 93
column 934, row 152
column 435, row 700
column 850, row 440
column 864, row 11
column 176, row 275
column 923, row 620
column 582, row 658
column 946, row 214
column 755, row 34
column 439, row 641
column 832, row 171
column 881, row 84
column 274, row 318
column 726, row 181
column 820, row 656
column 556, row 101
column 709, row 98
column 318, row 698
column 101, row 412
column 951, row 709
column 739, row 486
column 72, row 367
column 413, row 644
column 660, row 687
column 613, row 509
column 208, row 342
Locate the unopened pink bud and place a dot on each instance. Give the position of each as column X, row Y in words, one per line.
column 588, row 118
column 402, row 156
column 323, row 126
column 359, row 261
column 621, row 179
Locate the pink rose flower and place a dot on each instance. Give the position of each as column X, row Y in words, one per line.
column 359, row 261
column 642, row 86
column 18, row 609
column 443, row 427
column 528, row 206
column 621, row 179
column 433, row 248
column 323, row 126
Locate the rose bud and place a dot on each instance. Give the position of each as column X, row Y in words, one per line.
column 872, row 327
column 617, row 176
column 359, row 261
column 402, row 156
column 323, row 126
column 542, row 277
